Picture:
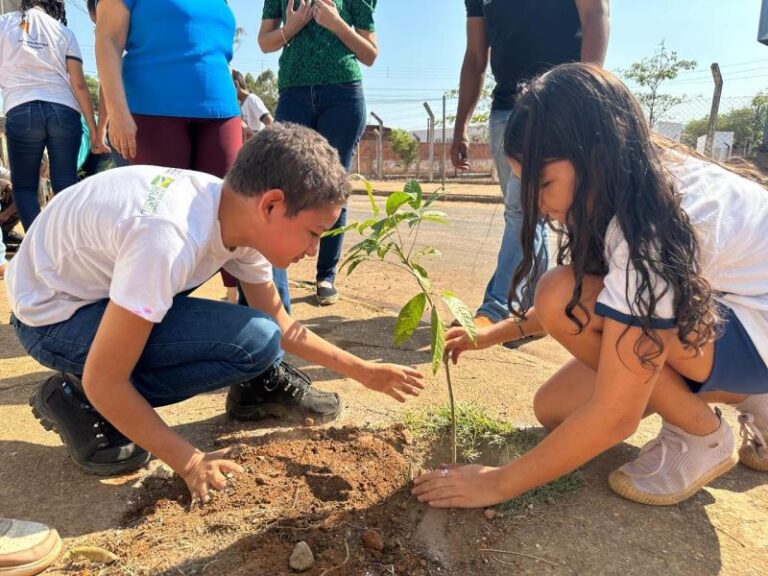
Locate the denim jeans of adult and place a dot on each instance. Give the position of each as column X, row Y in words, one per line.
column 494, row 304
column 186, row 353
column 337, row 112
column 31, row 128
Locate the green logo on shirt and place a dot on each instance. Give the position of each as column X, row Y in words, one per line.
column 157, row 188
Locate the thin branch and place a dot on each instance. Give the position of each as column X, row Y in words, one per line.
column 329, row 570
column 530, row 556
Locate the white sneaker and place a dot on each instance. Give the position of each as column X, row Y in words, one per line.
column 753, row 418
column 675, row 465
column 26, row 548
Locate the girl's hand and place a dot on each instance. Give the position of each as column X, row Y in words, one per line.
column 122, row 134
column 457, row 340
column 98, row 146
column 206, row 472
column 457, row 486
column 296, row 19
column 393, row 380
column 327, row 15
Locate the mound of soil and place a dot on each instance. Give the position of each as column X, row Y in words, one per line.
column 345, row 492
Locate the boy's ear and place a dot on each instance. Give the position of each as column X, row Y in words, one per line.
column 271, row 199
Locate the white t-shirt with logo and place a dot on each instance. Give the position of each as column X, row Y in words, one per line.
column 33, row 62
column 138, row 235
column 253, row 110
column 730, row 216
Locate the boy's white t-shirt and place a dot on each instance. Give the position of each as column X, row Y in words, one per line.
column 138, row 235
column 33, row 63
column 253, row 110
column 730, row 216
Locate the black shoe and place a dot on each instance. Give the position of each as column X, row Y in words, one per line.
column 326, row 293
column 279, row 392
column 93, row 443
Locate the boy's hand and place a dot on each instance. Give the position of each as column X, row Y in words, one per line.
column 393, row 380
column 457, row 341
column 205, row 472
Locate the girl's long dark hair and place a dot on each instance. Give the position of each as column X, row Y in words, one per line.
column 582, row 114
column 54, row 8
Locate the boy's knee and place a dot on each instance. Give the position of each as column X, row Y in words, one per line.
column 262, row 342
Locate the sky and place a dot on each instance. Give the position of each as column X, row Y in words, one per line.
column 421, row 46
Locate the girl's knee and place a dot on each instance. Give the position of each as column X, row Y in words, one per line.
column 543, row 409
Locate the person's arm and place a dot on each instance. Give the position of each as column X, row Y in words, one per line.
column 595, row 28
column 111, row 34
column 362, row 43
column 103, row 120
column 508, row 330
column 80, row 90
column 117, row 346
column 622, row 390
column 470, row 87
column 273, row 36
column 391, row 379
column 267, row 119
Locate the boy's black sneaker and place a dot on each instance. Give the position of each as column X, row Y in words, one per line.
column 282, row 391
column 93, row 443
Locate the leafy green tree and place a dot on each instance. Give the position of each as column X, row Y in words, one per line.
column 650, row 73
column 392, row 238
column 405, row 146
column 265, row 87
column 93, row 90
column 746, row 123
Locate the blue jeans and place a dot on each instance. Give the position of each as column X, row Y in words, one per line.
column 494, row 304
column 185, row 355
column 337, row 112
column 31, row 128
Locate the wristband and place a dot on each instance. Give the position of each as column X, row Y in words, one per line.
column 285, row 40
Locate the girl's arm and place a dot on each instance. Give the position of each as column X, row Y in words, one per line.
column 362, row 43
column 457, row 340
column 111, row 34
column 103, row 120
column 117, row 346
column 391, row 379
column 622, row 390
column 272, row 37
column 80, row 90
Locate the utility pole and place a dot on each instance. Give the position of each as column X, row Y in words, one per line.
column 431, row 140
column 379, row 148
column 715, row 109
column 443, row 164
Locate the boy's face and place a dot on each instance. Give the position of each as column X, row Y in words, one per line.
column 293, row 238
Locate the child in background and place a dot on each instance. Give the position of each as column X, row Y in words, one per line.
column 660, row 294
column 107, row 304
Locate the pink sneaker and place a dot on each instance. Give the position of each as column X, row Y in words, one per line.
column 675, row 465
column 26, row 548
column 753, row 417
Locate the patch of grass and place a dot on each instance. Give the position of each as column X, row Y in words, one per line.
column 478, row 434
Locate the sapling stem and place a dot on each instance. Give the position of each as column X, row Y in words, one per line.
column 453, row 408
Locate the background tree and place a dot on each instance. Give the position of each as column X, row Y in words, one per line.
column 482, row 111
column 265, row 87
column 93, row 90
column 238, row 41
column 405, row 146
column 650, row 73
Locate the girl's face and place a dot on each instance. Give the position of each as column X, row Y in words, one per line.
column 557, row 185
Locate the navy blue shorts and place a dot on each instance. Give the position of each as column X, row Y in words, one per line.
column 738, row 366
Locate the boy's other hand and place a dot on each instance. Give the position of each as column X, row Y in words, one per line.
column 393, row 380
column 457, row 341
column 205, row 472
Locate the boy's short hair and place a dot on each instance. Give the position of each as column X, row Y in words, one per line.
column 239, row 79
column 294, row 159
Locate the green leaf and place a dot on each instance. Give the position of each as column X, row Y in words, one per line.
column 361, row 226
column 428, row 251
column 384, row 249
column 413, row 188
column 421, row 275
column 461, row 312
column 354, row 265
column 339, row 231
column 434, row 197
column 397, row 199
column 435, row 216
column 437, row 338
column 409, row 318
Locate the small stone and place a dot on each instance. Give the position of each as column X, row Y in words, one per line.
column 373, row 540
column 407, row 437
column 490, row 513
column 309, row 421
column 302, row 558
column 163, row 472
column 423, row 563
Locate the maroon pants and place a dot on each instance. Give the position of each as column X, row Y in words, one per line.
column 207, row 145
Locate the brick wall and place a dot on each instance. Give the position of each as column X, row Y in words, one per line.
column 364, row 161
